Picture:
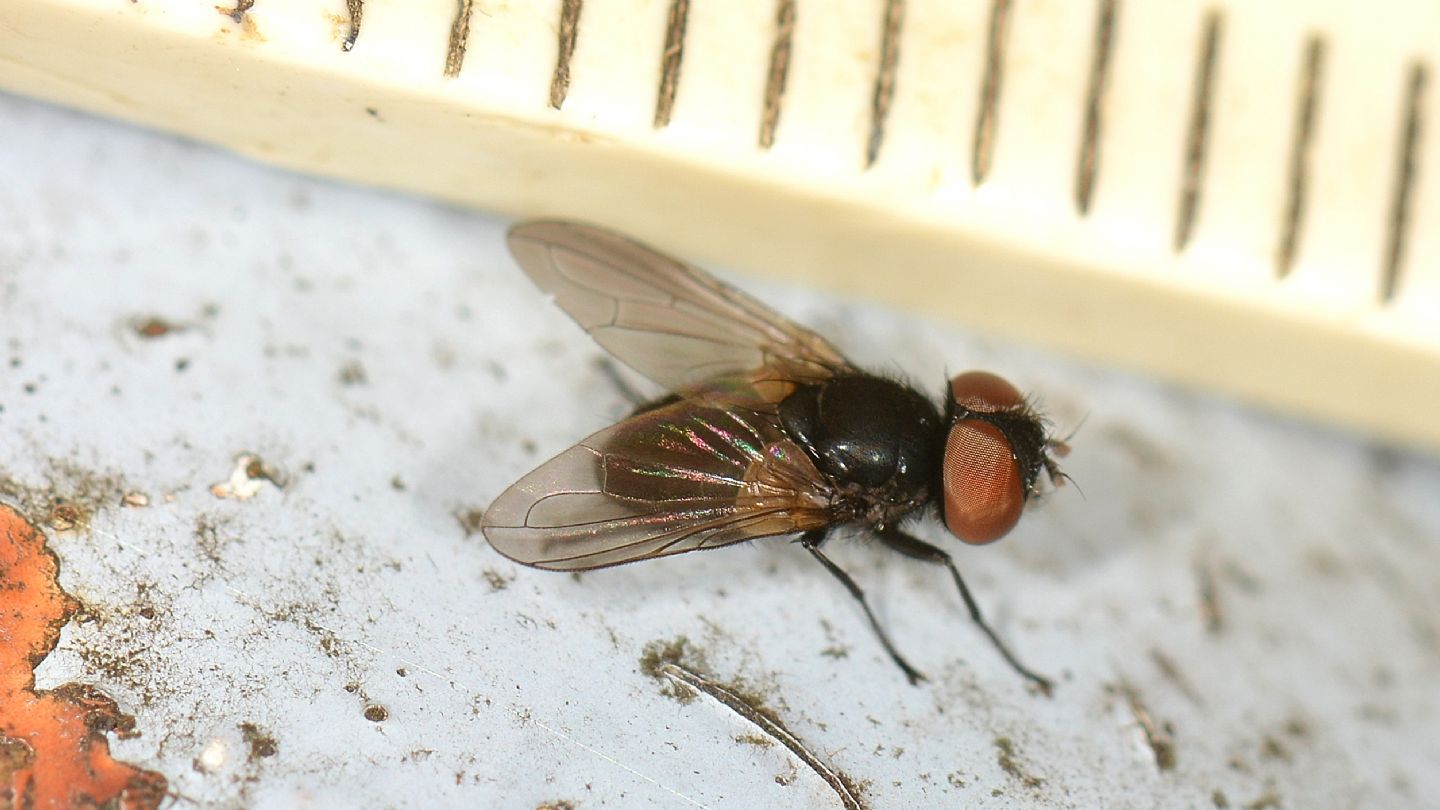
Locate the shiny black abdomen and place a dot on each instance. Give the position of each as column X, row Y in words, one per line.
column 869, row 432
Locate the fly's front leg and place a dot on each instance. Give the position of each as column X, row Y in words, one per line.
column 921, row 550
column 811, row 541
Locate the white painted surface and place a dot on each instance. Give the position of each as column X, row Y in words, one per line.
column 1321, row 690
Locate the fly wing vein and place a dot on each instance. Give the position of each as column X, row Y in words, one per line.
column 694, row 474
column 667, row 320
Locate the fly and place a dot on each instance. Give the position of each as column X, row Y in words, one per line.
column 768, row 431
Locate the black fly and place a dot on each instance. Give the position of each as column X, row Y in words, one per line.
column 768, row 431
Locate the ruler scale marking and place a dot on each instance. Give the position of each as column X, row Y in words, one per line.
column 356, row 10
column 568, row 30
column 1088, row 163
column 885, row 77
column 778, row 71
column 459, row 35
column 1406, row 172
column 1197, row 135
column 1306, row 224
column 987, row 119
column 1311, row 78
column 670, row 62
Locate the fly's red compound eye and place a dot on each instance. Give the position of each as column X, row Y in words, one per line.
column 983, row 392
column 984, row 493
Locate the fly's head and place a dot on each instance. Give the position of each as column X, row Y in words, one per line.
column 996, row 448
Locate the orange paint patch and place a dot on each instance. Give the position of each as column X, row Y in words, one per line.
column 53, row 748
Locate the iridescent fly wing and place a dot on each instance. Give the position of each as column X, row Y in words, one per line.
column 669, row 321
column 699, row 473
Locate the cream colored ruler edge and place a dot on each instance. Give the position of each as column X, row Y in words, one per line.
column 1119, row 180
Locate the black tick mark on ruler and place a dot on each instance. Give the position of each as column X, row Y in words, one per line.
column 1407, row 170
column 1088, row 164
column 1197, row 135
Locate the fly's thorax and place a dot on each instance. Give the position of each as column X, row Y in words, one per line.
column 877, row 439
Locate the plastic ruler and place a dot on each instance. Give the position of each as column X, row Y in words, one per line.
column 1239, row 195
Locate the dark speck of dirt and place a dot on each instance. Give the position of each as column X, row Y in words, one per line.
column 1272, row 748
column 209, row 539
column 261, row 742
column 258, row 470
column 67, row 516
column 237, row 14
column 1218, row 798
column 1241, row 577
column 563, row 804
column 182, row 364
column 352, row 373
column 659, row 653
column 1297, row 727
column 757, row 740
column 497, row 580
column 151, row 327
column 1164, row 748
column 675, row 651
column 402, row 672
column 376, row 713
column 469, row 520
column 1005, row 756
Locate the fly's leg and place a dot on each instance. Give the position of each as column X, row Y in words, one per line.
column 638, row 401
column 921, row 550
column 811, row 541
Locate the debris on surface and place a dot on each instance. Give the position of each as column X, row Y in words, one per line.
column 66, row 517
column 262, row 743
column 53, row 746
column 1157, row 736
column 666, row 659
column 470, row 520
column 1006, row 758
column 250, row 476
column 151, row 327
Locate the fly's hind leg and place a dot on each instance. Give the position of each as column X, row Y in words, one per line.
column 811, row 541
column 921, row 550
